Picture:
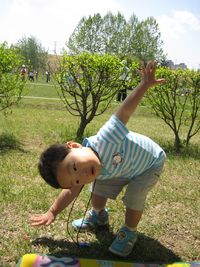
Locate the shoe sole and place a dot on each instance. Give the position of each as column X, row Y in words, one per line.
column 122, row 254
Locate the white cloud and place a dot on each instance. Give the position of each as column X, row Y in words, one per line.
column 49, row 20
column 187, row 18
column 178, row 24
column 52, row 21
column 181, row 35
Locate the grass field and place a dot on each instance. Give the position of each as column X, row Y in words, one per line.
column 38, row 89
column 170, row 227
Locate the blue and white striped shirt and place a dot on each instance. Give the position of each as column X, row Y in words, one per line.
column 123, row 154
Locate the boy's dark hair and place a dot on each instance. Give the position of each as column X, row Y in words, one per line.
column 48, row 163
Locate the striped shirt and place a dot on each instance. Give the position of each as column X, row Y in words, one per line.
column 123, row 154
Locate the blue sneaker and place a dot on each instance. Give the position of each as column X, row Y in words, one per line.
column 93, row 220
column 124, row 242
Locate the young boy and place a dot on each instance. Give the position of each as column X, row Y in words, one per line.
column 113, row 158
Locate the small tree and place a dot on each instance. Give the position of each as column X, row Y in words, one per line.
column 88, row 84
column 177, row 103
column 11, row 83
column 194, row 102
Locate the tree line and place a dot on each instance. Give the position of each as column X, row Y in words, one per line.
column 90, row 72
column 114, row 35
column 111, row 34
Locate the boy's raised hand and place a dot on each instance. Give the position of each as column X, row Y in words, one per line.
column 133, row 99
column 148, row 75
column 42, row 219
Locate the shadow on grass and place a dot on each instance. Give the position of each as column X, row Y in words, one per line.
column 9, row 142
column 192, row 151
column 146, row 250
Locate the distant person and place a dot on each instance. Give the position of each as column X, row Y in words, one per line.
column 31, row 76
column 23, row 72
column 114, row 159
column 122, row 93
column 36, row 75
column 47, row 76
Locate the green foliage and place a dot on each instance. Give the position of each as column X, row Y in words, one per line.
column 34, row 54
column 133, row 77
column 11, row 83
column 92, row 80
column 114, row 35
column 177, row 102
column 145, row 41
column 87, row 35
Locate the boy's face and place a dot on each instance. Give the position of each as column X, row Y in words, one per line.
column 79, row 167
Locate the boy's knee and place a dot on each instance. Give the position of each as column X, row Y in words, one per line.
column 138, row 188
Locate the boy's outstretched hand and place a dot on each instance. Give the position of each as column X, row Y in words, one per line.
column 65, row 197
column 42, row 219
column 148, row 75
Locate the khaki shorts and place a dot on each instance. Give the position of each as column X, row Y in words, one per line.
column 136, row 188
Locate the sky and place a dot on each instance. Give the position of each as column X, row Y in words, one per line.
column 52, row 22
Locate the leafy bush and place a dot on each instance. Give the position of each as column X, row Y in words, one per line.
column 11, row 83
column 177, row 103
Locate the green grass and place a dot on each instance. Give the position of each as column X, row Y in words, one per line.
column 38, row 89
column 170, row 228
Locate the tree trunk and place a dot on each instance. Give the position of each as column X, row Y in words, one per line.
column 177, row 143
column 80, row 130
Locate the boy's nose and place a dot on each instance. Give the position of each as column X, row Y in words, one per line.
column 86, row 172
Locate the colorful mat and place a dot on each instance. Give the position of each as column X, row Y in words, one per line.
column 36, row 260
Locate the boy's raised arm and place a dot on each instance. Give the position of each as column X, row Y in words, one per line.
column 131, row 102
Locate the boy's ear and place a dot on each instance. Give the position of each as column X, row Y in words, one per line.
column 72, row 144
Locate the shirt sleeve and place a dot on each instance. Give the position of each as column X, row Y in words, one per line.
column 113, row 131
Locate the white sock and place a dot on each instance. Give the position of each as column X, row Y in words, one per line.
column 97, row 210
column 133, row 229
